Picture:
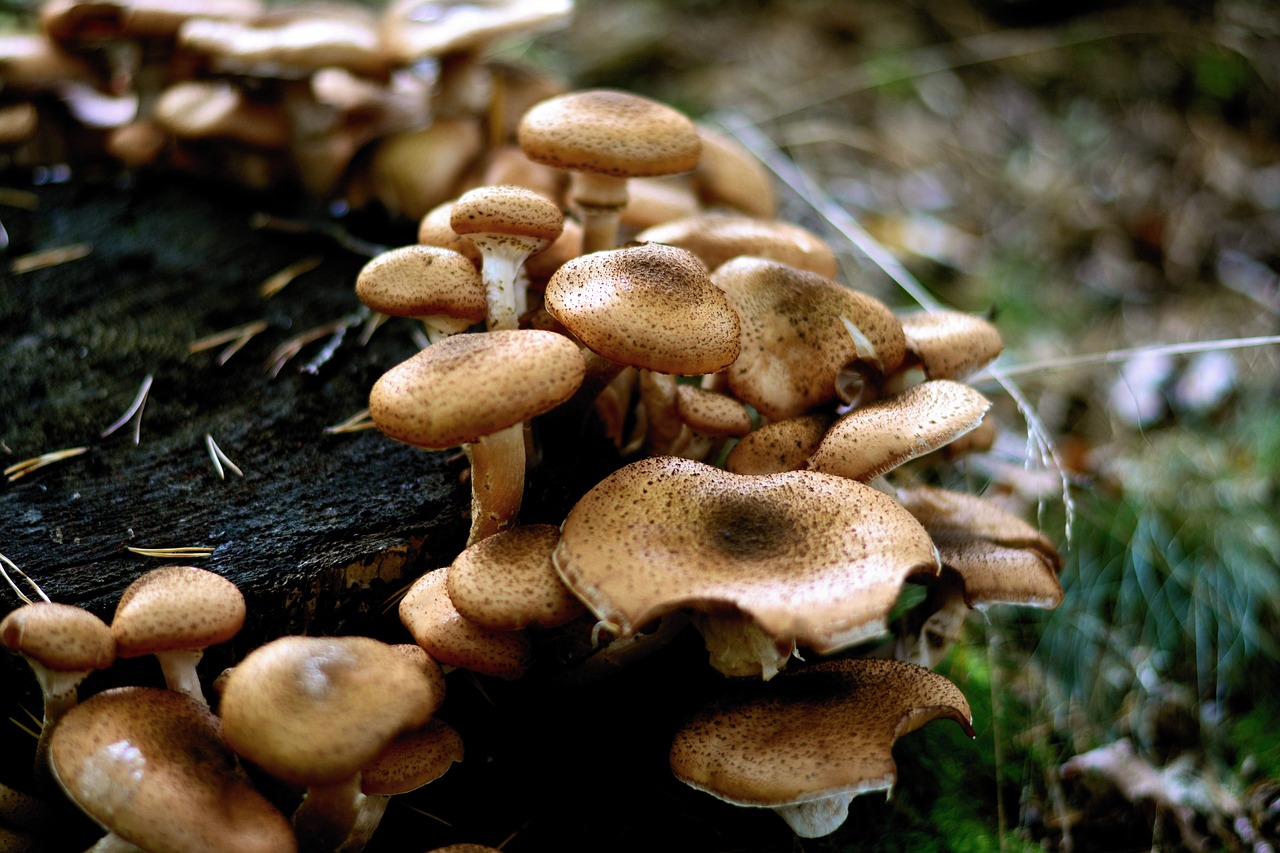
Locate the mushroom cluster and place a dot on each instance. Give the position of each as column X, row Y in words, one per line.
column 587, row 261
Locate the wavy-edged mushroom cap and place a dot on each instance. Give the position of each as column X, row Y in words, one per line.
column 469, row 386
column 421, row 281
column 719, row 237
column 796, row 334
column 784, row 445
column 315, row 710
column 810, row 741
column 648, row 306
column 507, row 582
column 147, row 764
column 451, row 638
column 1000, row 558
column 416, row 29
column 609, row 132
column 950, row 344
column 878, row 437
column 791, row 558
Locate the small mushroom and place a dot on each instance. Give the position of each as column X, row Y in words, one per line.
column 508, row 582
column 810, row 741
column 784, row 445
column 477, row 390
column 440, row 287
column 174, row 613
column 945, row 345
column 604, row 137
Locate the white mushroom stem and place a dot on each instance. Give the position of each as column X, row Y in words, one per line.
column 503, row 257
column 372, row 807
column 179, row 666
column 816, row 818
column 60, row 695
column 600, row 199
column 327, row 814
column 738, row 647
column 112, row 843
column 497, row 481
column 440, row 326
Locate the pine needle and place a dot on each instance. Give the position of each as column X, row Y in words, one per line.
column 280, row 280
column 359, row 421
column 182, row 552
column 21, row 469
column 134, row 410
column 50, row 258
column 22, row 596
column 221, row 462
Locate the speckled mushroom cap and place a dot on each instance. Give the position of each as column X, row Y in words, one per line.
column 806, row 743
column 415, row 29
column 784, row 445
column 649, row 306
column 507, row 582
column 811, row 559
column 291, row 42
column 430, row 667
column 492, row 213
column 148, row 765
column 950, row 344
column 451, row 638
column 710, row 412
column 62, row 637
column 413, row 759
column 468, row 386
column 416, row 281
column 794, row 338
column 315, row 710
column 1000, row 558
column 878, row 437
column 609, row 132
column 176, row 607
column 719, row 237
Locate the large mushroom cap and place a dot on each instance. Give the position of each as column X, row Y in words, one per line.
column 811, row 740
column 812, row 560
column 315, row 710
column 148, row 765
column 719, row 237
column 649, row 306
column 796, row 334
column 609, row 132
column 176, row 607
column 469, row 386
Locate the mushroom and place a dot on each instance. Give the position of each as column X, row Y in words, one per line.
column 477, row 390
column 728, row 175
column 709, row 418
column 719, row 237
column 174, row 613
column 440, row 287
column 945, row 345
column 148, row 766
column 811, row 740
column 413, row 171
column 604, row 137
column 507, row 582
column 63, row 644
column 648, row 306
column 798, row 334
column 507, row 224
column 766, row 562
column 784, row 445
column 876, row 438
column 451, row 638
column 315, row 711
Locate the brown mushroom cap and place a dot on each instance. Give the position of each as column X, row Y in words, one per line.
column 468, row 386
column 794, row 338
column 728, row 175
column 413, row 759
column 176, row 607
column 950, row 344
column 507, row 211
column 1000, row 558
column 507, row 581
column 315, row 710
column 61, row 637
column 451, row 638
column 811, row 740
column 784, row 445
column 413, row 171
column 213, row 109
column 609, row 132
column 719, row 237
column 148, row 765
column 435, row 229
column 417, row 281
column 649, row 306
column 711, row 413
column 810, row 559
column 415, row 29
column 878, row 437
